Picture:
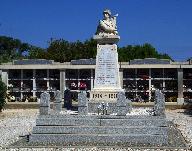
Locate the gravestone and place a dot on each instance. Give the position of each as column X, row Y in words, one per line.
column 159, row 104
column 57, row 102
column 67, row 99
column 44, row 104
column 82, row 103
column 123, row 105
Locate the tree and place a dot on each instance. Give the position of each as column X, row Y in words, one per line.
column 90, row 48
column 11, row 49
column 3, row 90
column 61, row 50
column 64, row 51
column 37, row 53
column 139, row 52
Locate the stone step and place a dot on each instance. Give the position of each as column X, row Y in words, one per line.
column 98, row 139
column 100, row 116
column 99, row 130
column 100, row 122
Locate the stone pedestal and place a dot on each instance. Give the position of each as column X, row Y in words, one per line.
column 107, row 80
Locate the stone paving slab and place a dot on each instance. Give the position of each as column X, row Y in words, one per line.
column 96, row 116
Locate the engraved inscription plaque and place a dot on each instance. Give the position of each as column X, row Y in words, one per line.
column 107, row 67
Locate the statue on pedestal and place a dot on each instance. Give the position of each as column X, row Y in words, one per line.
column 107, row 26
column 107, row 79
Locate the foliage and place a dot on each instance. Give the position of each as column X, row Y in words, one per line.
column 171, row 99
column 11, row 49
column 64, row 51
column 139, row 52
column 189, row 59
column 2, row 95
column 36, row 53
column 61, row 50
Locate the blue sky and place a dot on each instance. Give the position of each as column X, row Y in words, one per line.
column 166, row 24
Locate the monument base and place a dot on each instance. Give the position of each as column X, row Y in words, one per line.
column 102, row 130
column 101, row 95
column 115, row 101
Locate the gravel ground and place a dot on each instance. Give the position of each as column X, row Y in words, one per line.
column 183, row 120
column 15, row 123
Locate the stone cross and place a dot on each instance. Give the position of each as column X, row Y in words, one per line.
column 44, row 103
column 159, row 104
column 82, row 103
column 57, row 102
column 123, row 105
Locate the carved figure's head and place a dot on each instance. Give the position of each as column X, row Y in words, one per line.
column 107, row 11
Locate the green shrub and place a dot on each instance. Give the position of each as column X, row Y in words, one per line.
column 3, row 90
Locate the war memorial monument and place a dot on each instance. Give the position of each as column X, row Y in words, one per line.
column 105, row 118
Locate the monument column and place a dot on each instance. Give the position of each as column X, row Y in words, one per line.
column 121, row 77
column 92, row 79
column 21, row 85
column 4, row 76
column 150, row 89
column 34, row 83
column 48, row 87
column 62, row 82
column 180, row 99
column 163, row 79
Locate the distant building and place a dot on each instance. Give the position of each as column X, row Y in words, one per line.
column 27, row 79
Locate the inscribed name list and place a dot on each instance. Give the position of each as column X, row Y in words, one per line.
column 107, row 67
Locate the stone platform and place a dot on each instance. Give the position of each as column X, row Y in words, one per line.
column 100, row 130
column 120, row 128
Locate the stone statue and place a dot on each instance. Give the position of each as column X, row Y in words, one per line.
column 107, row 26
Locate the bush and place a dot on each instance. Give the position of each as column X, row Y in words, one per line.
column 3, row 90
column 172, row 99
